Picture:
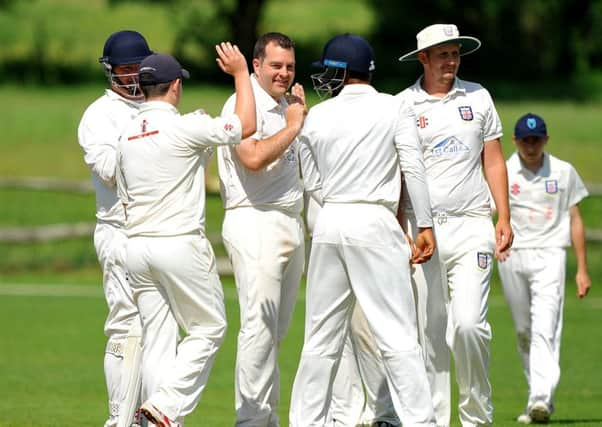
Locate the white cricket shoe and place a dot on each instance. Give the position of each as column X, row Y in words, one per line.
column 524, row 418
column 155, row 416
column 540, row 412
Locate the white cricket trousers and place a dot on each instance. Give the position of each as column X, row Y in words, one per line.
column 267, row 251
column 175, row 284
column 466, row 246
column 432, row 302
column 533, row 282
column 360, row 394
column 430, row 292
column 359, row 254
column 110, row 244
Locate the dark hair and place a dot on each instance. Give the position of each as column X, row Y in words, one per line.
column 152, row 91
column 278, row 39
column 367, row 77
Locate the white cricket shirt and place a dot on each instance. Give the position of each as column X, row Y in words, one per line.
column 540, row 202
column 99, row 130
column 358, row 140
column 276, row 186
column 162, row 157
column 453, row 131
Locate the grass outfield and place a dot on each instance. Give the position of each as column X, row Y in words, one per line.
column 51, row 361
column 40, row 127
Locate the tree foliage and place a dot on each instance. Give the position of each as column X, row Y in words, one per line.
column 200, row 25
column 524, row 41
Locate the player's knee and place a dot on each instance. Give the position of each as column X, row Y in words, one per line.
column 219, row 332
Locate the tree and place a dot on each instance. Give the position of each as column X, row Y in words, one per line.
column 200, row 25
column 551, row 40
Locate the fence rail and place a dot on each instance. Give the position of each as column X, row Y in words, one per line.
column 66, row 231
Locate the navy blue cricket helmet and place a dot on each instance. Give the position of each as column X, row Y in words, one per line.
column 125, row 47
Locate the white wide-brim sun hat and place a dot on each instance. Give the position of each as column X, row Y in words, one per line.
column 437, row 34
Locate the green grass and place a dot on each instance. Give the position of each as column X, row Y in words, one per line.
column 40, row 128
column 51, row 365
column 35, row 208
column 67, row 36
column 573, row 130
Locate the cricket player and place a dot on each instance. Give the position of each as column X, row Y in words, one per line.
column 263, row 230
column 98, row 133
column 460, row 131
column 544, row 197
column 161, row 160
column 359, row 140
column 360, row 392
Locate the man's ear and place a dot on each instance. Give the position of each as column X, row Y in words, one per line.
column 175, row 85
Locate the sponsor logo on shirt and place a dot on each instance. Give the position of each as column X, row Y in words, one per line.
column 551, row 186
column 422, row 122
column 228, row 127
column 515, row 189
column 449, row 147
column 466, row 112
column 483, row 260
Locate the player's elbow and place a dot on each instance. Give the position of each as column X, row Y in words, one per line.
column 254, row 164
column 248, row 128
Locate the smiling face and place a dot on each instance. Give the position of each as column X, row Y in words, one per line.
column 441, row 63
column 275, row 71
column 530, row 150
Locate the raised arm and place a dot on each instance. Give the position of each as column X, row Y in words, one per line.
column 256, row 154
column 494, row 169
column 233, row 62
column 578, row 240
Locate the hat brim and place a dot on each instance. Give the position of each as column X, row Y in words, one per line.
column 468, row 45
column 524, row 135
column 185, row 74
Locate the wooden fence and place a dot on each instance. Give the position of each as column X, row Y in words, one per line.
column 82, row 229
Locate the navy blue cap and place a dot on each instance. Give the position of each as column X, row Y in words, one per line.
column 161, row 68
column 348, row 51
column 530, row 125
column 125, row 47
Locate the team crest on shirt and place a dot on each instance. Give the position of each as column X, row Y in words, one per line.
column 551, row 186
column 290, row 155
column 422, row 122
column 515, row 189
column 483, row 260
column 466, row 112
column 449, row 147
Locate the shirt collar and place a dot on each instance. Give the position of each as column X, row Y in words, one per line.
column 420, row 95
column 263, row 100
column 357, row 88
column 111, row 94
column 517, row 164
column 158, row 105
